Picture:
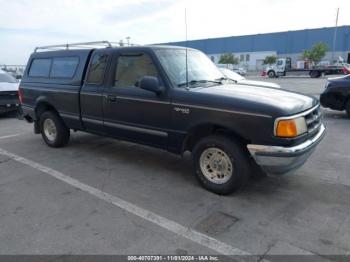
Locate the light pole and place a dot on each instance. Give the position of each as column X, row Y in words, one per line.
column 128, row 40
column 335, row 35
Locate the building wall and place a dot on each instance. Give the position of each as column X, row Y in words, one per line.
column 282, row 44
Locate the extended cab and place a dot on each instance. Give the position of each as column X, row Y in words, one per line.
column 150, row 95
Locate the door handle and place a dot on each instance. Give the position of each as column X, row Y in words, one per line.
column 112, row 98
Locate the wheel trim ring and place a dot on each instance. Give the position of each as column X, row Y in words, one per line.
column 50, row 130
column 216, row 165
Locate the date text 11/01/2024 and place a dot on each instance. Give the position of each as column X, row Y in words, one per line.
column 173, row 258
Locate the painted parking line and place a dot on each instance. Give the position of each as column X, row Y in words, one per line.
column 172, row 226
column 9, row 136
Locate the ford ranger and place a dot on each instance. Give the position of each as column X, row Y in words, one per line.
column 174, row 99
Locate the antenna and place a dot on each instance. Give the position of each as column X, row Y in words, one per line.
column 187, row 87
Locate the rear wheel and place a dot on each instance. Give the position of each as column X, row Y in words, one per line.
column 347, row 107
column 221, row 164
column 315, row 74
column 53, row 130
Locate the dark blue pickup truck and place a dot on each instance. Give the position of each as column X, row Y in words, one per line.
column 174, row 99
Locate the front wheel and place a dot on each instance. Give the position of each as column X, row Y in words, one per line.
column 53, row 130
column 271, row 74
column 221, row 164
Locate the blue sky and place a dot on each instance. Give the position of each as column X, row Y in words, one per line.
column 25, row 24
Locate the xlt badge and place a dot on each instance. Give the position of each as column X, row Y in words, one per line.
column 182, row 110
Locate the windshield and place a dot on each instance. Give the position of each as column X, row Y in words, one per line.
column 200, row 68
column 279, row 62
column 231, row 75
column 7, row 78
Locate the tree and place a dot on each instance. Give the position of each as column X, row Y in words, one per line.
column 269, row 60
column 228, row 59
column 317, row 52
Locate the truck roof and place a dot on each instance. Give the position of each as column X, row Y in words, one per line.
column 87, row 51
column 82, row 55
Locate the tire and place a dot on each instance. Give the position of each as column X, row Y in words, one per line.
column 53, row 130
column 215, row 154
column 271, row 74
column 315, row 74
column 347, row 107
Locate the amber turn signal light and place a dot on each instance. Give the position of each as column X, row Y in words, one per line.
column 291, row 127
column 286, row 128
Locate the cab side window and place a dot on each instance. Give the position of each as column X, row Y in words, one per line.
column 131, row 68
column 97, row 69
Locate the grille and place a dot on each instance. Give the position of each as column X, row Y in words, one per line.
column 313, row 120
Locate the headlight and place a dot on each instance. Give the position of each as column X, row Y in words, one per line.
column 290, row 127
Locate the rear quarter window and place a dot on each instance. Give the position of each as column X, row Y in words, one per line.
column 64, row 67
column 97, row 69
column 40, row 67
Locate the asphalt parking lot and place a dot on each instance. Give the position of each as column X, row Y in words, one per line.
column 103, row 196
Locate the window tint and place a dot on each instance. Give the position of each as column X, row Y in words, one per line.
column 64, row 67
column 40, row 68
column 132, row 67
column 97, row 68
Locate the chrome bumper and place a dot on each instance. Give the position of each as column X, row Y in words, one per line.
column 281, row 160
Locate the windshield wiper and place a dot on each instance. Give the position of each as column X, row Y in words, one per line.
column 194, row 82
column 225, row 79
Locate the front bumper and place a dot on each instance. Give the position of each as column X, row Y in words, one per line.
column 280, row 160
column 8, row 102
column 6, row 108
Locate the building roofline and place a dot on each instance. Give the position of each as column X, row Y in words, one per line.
column 251, row 35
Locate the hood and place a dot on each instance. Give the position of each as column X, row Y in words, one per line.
column 270, row 101
column 4, row 86
column 257, row 83
column 339, row 78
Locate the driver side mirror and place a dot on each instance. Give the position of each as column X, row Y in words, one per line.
column 151, row 83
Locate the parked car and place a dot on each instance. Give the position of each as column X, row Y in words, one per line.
column 337, row 94
column 240, row 70
column 243, row 81
column 8, row 93
column 147, row 95
column 346, row 70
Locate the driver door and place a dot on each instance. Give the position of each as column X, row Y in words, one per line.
column 133, row 113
